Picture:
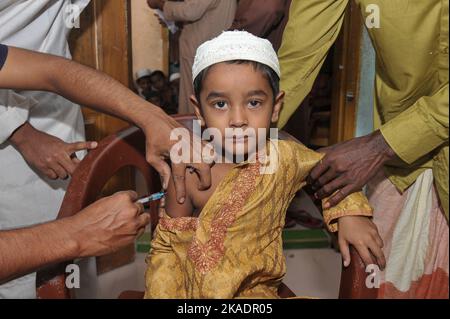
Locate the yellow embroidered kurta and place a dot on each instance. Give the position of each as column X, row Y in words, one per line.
column 234, row 248
column 411, row 85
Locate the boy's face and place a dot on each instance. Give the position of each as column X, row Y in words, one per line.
column 239, row 97
column 144, row 83
column 158, row 82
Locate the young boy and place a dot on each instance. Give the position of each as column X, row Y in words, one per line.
column 226, row 242
column 161, row 86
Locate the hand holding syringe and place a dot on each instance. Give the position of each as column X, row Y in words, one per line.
column 151, row 198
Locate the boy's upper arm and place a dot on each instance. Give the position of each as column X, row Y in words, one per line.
column 303, row 160
column 355, row 204
column 172, row 207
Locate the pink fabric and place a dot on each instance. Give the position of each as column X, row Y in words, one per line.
column 388, row 203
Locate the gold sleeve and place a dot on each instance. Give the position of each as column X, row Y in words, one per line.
column 304, row 160
column 355, row 204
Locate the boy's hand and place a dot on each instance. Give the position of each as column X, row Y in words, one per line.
column 48, row 154
column 362, row 233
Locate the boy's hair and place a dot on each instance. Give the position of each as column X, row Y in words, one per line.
column 269, row 74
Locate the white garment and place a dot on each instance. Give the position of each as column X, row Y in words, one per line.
column 410, row 240
column 25, row 197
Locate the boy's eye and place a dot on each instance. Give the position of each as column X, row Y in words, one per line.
column 220, row 105
column 253, row 104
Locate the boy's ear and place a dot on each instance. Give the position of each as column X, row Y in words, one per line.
column 277, row 107
column 197, row 108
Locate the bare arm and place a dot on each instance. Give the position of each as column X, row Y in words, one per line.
column 101, row 228
column 24, row 250
column 27, row 70
column 170, row 204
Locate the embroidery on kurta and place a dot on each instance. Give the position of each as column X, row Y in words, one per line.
column 206, row 256
column 179, row 224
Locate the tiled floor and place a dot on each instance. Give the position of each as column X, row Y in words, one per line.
column 311, row 273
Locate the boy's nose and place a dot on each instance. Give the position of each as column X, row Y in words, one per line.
column 238, row 117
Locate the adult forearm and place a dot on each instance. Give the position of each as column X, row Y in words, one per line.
column 25, row 250
column 96, row 90
column 80, row 84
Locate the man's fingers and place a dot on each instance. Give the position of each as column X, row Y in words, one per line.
column 179, row 179
column 140, row 207
column 204, row 174
column 338, row 197
column 50, row 174
column 316, row 172
column 130, row 195
column 68, row 164
column 345, row 252
column 59, row 170
column 162, row 168
column 330, row 188
column 328, row 176
column 143, row 220
column 75, row 160
column 79, row 146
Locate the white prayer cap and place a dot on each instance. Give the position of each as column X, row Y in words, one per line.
column 174, row 76
column 142, row 73
column 235, row 45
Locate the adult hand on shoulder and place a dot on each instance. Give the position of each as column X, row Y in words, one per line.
column 348, row 166
column 48, row 154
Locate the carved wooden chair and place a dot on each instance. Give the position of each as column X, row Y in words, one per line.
column 127, row 148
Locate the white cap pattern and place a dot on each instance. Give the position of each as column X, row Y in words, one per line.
column 142, row 73
column 235, row 45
